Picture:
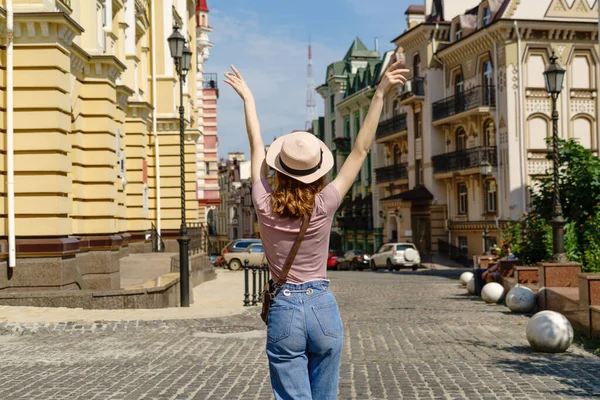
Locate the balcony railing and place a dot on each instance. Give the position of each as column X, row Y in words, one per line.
column 210, row 81
column 464, row 159
column 342, row 145
column 391, row 173
column 390, row 126
column 479, row 96
column 416, row 88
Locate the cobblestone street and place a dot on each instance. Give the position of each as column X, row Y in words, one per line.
column 408, row 336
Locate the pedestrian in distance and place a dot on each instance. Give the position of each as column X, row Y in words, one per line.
column 304, row 327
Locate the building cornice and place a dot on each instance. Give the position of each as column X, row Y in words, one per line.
column 141, row 110
column 31, row 25
column 123, row 94
column 364, row 94
column 503, row 30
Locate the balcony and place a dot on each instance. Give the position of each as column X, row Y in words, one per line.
column 210, row 81
column 391, row 126
column 475, row 157
column 412, row 91
column 342, row 145
column 473, row 100
column 391, row 173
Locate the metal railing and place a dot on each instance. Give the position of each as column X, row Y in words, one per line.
column 392, row 125
column 260, row 276
column 460, row 255
column 199, row 239
column 157, row 243
column 391, row 173
column 66, row 2
column 464, row 159
column 478, row 96
column 211, row 81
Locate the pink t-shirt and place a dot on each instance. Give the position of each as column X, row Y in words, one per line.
column 278, row 234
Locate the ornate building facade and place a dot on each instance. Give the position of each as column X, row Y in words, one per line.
column 347, row 92
column 91, row 97
column 467, row 135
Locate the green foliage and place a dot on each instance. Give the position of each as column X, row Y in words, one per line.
column 536, row 239
column 579, row 189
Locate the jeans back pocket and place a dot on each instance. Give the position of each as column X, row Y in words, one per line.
column 329, row 318
column 280, row 323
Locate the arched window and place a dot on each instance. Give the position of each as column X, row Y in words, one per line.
column 490, row 133
column 582, row 132
column 537, row 132
column 487, row 16
column 461, row 139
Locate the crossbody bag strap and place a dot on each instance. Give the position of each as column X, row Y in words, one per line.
column 290, row 258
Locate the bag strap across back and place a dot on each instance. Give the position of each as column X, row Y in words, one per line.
column 290, row 258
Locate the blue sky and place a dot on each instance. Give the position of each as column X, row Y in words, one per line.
column 267, row 41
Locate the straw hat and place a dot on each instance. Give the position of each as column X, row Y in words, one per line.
column 301, row 156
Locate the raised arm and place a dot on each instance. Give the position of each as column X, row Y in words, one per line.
column 351, row 168
column 257, row 147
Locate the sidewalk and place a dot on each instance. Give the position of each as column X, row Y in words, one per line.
column 220, row 297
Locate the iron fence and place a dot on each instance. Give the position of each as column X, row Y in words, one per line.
column 464, row 159
column 260, row 276
column 391, row 173
column 392, row 125
column 478, row 96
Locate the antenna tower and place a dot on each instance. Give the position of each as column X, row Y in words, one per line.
column 311, row 105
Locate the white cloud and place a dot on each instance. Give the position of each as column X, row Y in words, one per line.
column 274, row 65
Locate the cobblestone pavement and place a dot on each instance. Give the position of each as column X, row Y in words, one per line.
column 408, row 336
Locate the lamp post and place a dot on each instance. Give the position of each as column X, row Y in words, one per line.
column 553, row 77
column 485, row 169
column 182, row 56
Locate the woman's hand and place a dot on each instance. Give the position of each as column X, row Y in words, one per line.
column 394, row 76
column 237, row 82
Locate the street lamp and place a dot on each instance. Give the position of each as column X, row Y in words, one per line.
column 182, row 56
column 553, row 77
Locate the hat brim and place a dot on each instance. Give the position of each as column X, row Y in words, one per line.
column 273, row 161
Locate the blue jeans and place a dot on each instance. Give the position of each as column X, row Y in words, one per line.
column 304, row 342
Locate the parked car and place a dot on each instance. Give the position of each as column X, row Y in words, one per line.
column 353, row 260
column 239, row 245
column 332, row 260
column 255, row 255
column 394, row 256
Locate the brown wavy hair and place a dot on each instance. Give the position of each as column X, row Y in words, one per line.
column 292, row 198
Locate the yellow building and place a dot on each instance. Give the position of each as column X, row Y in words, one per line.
column 90, row 100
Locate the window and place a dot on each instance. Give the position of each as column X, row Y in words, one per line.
column 488, row 83
column 333, row 128
column 419, row 172
column 101, row 14
column 463, row 246
column 395, row 108
column 402, row 247
column 459, row 83
column 356, row 124
column 490, row 134
column 256, row 249
column 462, row 198
column 487, row 16
column 418, row 125
column 461, row 139
column 491, row 190
column 417, row 66
column 347, row 127
column 332, row 103
column 458, row 32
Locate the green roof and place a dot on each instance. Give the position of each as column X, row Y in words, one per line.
column 359, row 50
